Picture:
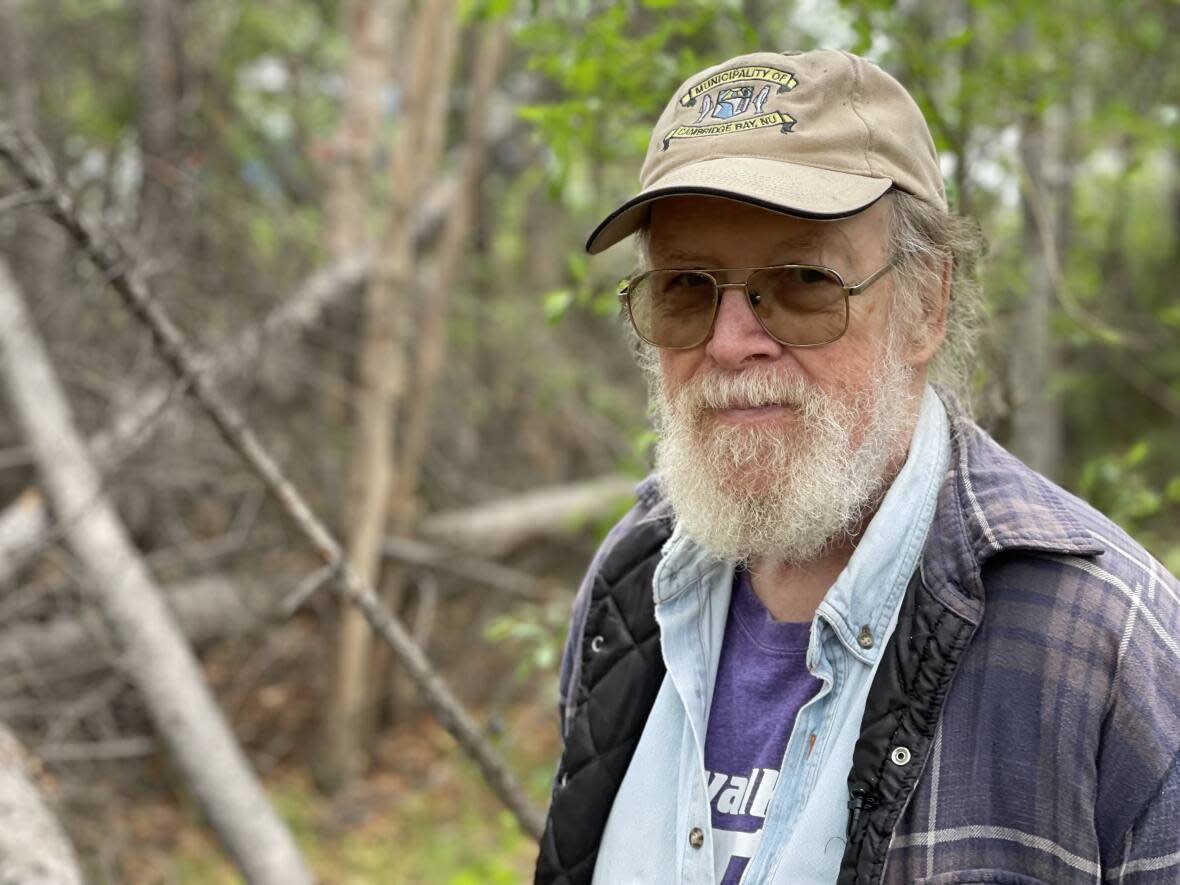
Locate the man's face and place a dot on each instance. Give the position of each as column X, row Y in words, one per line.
column 775, row 451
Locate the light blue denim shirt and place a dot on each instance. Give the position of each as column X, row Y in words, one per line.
column 659, row 828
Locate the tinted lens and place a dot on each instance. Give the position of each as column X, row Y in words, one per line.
column 799, row 305
column 673, row 308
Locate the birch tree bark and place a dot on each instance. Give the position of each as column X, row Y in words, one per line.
column 156, row 656
column 24, row 522
column 369, row 28
column 456, row 233
column 33, row 848
column 18, row 103
column 26, row 158
column 159, row 92
column 1032, row 361
column 432, row 337
column 348, row 720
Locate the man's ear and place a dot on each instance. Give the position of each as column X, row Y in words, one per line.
column 931, row 328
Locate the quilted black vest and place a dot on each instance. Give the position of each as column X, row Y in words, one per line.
column 623, row 668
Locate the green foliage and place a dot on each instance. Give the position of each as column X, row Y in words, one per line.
column 1116, row 485
column 613, row 70
column 535, row 633
column 1134, row 488
column 429, row 838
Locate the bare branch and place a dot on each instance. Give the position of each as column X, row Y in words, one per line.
column 33, row 848
column 501, row 526
column 20, row 153
column 205, row 608
column 478, row 571
column 94, row 751
column 133, row 426
column 25, row 198
column 156, row 656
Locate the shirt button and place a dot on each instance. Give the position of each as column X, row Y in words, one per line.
column 865, row 639
column 696, row 837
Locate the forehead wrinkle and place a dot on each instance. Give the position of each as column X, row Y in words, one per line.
column 685, row 257
column 701, row 258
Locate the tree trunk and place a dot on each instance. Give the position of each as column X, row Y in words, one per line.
column 205, row 608
column 432, row 337
column 369, row 26
column 1032, row 362
column 348, row 718
column 159, row 95
column 967, row 65
column 155, row 654
column 33, row 848
column 19, row 103
column 24, row 522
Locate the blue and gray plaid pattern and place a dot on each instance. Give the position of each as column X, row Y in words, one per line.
column 1057, row 757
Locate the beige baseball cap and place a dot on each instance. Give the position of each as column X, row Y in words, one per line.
column 820, row 134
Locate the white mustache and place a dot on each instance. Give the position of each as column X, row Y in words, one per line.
column 744, row 390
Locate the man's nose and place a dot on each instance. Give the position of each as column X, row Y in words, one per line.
column 738, row 337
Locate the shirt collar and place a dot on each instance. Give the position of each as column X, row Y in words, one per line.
column 993, row 503
column 861, row 604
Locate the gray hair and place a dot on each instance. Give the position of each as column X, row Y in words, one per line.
column 921, row 236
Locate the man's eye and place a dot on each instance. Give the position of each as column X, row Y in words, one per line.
column 691, row 279
column 811, row 275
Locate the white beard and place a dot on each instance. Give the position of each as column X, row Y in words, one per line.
column 781, row 490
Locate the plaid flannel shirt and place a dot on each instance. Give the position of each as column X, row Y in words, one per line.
column 1057, row 755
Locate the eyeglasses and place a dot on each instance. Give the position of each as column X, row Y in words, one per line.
column 799, row 305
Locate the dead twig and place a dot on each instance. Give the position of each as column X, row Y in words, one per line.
column 21, row 153
column 484, row 572
column 156, row 657
column 98, row 751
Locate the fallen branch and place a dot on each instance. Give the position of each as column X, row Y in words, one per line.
column 499, row 527
column 24, row 522
column 205, row 608
column 22, row 525
column 478, row 571
column 98, row 751
column 153, row 651
column 33, row 847
column 27, row 160
column 300, row 311
column 217, row 606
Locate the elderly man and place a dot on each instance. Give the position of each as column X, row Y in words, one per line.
column 844, row 636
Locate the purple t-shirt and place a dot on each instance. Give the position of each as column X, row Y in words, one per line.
column 762, row 682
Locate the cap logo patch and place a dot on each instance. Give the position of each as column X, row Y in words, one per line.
column 739, row 108
column 785, row 80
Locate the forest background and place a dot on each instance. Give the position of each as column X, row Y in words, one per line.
column 366, row 216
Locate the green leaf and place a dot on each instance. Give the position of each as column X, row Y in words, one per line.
column 1137, row 453
column 557, row 303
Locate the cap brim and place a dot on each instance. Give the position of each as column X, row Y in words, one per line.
column 805, row 191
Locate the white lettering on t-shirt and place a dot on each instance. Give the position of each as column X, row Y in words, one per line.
column 744, row 797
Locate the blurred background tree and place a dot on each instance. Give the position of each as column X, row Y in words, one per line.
column 248, row 147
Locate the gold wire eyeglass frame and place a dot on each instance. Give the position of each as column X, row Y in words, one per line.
column 627, row 286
